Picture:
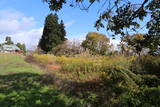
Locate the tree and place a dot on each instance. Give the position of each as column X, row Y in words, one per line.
column 8, row 41
column 63, row 32
column 136, row 41
column 53, row 33
column 126, row 49
column 121, row 16
column 21, row 47
column 97, row 43
column 153, row 36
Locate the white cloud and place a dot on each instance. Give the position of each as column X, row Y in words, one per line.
column 12, row 21
column 19, row 27
column 70, row 23
column 10, row 14
column 30, row 38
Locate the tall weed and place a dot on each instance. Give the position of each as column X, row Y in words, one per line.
column 45, row 58
column 96, row 64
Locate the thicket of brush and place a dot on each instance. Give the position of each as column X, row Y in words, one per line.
column 126, row 81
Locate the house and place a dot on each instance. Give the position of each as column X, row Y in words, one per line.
column 9, row 48
column 157, row 52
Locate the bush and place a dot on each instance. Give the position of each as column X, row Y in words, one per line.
column 149, row 97
column 150, row 80
column 151, row 64
column 121, row 77
column 147, row 64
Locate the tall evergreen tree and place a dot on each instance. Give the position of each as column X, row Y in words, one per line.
column 52, row 33
column 63, row 32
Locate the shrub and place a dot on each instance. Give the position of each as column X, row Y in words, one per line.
column 147, row 64
column 121, row 77
column 148, row 97
column 151, row 64
column 150, row 80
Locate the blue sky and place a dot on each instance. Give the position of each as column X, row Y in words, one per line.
column 23, row 20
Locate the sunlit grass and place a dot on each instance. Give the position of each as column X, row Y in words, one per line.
column 44, row 59
column 97, row 64
column 12, row 63
column 23, row 85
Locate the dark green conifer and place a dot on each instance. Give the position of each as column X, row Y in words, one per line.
column 53, row 33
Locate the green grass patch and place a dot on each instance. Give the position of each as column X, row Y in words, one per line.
column 23, row 85
column 11, row 63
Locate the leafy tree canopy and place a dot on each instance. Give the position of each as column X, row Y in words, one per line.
column 97, row 43
column 136, row 41
column 21, row 46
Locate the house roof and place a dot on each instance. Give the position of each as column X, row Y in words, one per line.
column 9, row 47
column 158, row 51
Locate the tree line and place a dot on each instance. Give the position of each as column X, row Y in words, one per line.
column 122, row 17
column 8, row 41
column 54, row 41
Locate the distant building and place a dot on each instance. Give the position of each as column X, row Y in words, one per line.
column 9, row 48
column 157, row 52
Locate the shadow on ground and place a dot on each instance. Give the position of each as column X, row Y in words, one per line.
column 29, row 90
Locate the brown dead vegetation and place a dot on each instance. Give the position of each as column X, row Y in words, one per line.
column 70, row 81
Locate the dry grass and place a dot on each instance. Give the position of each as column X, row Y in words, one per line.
column 81, row 68
column 44, row 59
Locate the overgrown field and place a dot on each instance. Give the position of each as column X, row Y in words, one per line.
column 81, row 81
column 26, row 85
column 109, row 80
